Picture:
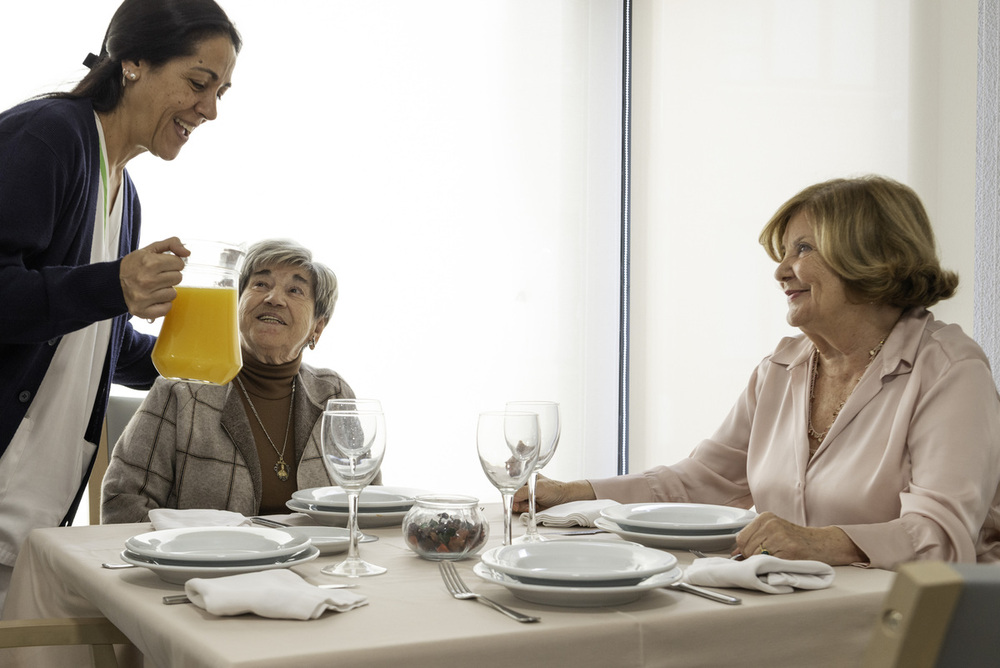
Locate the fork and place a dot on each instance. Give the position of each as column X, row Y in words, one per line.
column 458, row 589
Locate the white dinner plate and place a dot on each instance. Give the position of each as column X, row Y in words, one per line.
column 577, row 597
column 375, row 498
column 579, row 563
column 332, row 518
column 679, row 518
column 179, row 574
column 717, row 543
column 225, row 544
column 329, row 540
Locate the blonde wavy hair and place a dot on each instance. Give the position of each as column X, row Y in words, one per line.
column 875, row 234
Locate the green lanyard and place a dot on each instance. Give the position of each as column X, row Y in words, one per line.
column 104, row 184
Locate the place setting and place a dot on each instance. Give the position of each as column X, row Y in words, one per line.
column 513, row 445
column 178, row 555
column 232, row 567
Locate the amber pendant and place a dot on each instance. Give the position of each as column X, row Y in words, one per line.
column 281, row 468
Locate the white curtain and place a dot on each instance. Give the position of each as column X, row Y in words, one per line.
column 738, row 105
column 457, row 164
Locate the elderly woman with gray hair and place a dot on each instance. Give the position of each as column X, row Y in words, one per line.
column 248, row 445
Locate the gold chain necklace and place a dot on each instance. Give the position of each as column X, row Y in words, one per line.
column 819, row 436
column 281, row 468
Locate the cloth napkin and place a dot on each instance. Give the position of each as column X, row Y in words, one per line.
column 574, row 513
column 171, row 518
column 762, row 572
column 278, row 594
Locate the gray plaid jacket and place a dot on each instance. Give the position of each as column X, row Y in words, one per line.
column 190, row 446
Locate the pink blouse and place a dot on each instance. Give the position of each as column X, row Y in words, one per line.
column 909, row 470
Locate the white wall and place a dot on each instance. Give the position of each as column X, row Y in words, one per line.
column 739, row 104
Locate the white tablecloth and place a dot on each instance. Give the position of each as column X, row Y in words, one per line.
column 412, row 621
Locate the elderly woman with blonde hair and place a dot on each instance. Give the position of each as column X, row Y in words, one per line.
column 873, row 438
column 248, row 445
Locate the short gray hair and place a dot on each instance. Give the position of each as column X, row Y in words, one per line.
column 285, row 252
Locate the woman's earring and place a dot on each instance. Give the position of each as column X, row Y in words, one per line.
column 312, row 343
column 127, row 76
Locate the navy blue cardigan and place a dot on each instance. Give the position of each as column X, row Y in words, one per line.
column 49, row 180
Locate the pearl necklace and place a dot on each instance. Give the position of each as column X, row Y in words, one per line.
column 281, row 468
column 819, row 436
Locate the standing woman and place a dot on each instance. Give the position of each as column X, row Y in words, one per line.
column 70, row 271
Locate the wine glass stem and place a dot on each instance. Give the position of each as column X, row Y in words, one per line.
column 352, row 524
column 532, row 527
column 508, row 513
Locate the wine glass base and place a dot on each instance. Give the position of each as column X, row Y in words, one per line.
column 354, row 569
column 531, row 538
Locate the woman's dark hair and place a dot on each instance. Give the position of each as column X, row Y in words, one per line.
column 153, row 30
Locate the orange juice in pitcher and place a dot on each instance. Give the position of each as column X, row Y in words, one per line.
column 199, row 341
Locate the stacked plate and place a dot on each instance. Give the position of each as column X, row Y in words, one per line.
column 378, row 505
column 177, row 555
column 676, row 525
column 329, row 540
column 578, row 573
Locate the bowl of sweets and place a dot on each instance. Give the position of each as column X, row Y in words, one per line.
column 445, row 527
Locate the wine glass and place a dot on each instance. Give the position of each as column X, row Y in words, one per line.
column 548, row 439
column 353, row 445
column 507, row 442
column 353, row 404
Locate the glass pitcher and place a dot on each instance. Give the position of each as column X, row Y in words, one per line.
column 200, row 341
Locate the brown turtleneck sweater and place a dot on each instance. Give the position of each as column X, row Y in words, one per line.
column 270, row 390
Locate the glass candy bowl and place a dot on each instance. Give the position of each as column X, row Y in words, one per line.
column 439, row 527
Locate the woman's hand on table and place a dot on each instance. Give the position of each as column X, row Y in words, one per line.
column 148, row 277
column 769, row 534
column 550, row 493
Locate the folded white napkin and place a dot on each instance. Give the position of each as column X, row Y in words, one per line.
column 278, row 594
column 763, row 572
column 574, row 513
column 171, row 518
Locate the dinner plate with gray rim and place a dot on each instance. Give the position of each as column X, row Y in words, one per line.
column 577, row 597
column 373, row 499
column 179, row 574
column 339, row 519
column 223, row 544
column 579, row 563
column 718, row 543
column 679, row 518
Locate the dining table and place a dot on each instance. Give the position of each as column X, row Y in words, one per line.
column 411, row 619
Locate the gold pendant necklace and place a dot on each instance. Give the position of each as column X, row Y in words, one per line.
column 281, row 468
column 820, row 435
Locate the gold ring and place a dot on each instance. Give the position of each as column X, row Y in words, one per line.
column 763, row 550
